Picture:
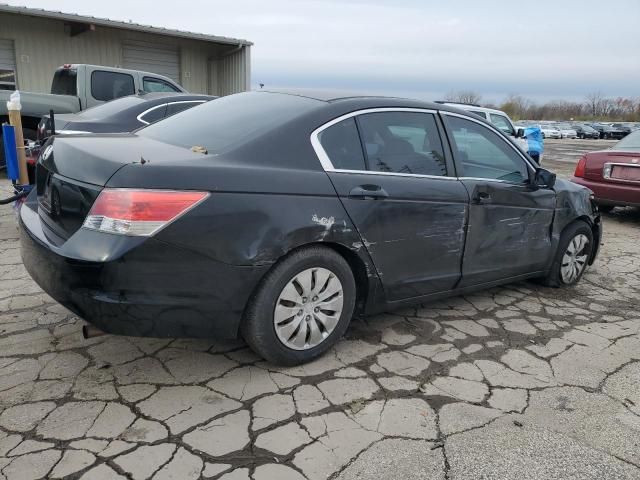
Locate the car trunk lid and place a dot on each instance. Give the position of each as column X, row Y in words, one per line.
column 72, row 170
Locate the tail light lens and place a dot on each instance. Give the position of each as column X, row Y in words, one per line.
column 581, row 167
column 139, row 212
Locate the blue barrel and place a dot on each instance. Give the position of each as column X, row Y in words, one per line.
column 10, row 152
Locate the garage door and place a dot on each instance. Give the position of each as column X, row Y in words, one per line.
column 151, row 57
column 7, row 65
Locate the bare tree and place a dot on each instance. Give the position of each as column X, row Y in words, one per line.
column 594, row 103
column 463, row 96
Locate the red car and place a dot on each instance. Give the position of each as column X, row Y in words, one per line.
column 614, row 174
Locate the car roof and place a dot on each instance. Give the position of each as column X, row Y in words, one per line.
column 362, row 100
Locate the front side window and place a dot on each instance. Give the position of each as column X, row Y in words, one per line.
column 150, row 84
column 484, row 154
column 106, row 86
column 502, row 123
column 402, row 142
column 342, row 145
column 480, row 114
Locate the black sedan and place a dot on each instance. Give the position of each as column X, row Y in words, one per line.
column 124, row 114
column 279, row 216
column 585, row 131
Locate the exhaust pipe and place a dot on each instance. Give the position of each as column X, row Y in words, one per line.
column 89, row 331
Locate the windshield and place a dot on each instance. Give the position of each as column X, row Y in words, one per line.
column 110, row 108
column 631, row 142
column 229, row 121
column 64, row 82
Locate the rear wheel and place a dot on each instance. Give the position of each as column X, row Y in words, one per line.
column 572, row 256
column 301, row 308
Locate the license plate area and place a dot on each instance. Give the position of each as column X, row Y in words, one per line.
column 626, row 173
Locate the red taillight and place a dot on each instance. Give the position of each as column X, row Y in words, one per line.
column 138, row 212
column 581, row 167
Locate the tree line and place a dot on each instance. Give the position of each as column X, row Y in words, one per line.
column 595, row 106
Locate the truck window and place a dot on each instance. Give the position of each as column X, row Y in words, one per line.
column 65, row 82
column 106, row 86
column 502, row 123
column 7, row 79
column 150, row 84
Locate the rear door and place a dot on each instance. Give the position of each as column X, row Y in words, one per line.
column 390, row 171
column 509, row 229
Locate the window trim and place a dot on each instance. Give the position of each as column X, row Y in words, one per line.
column 325, row 161
column 530, row 167
column 139, row 117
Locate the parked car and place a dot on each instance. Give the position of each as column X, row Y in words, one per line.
column 76, row 87
column 613, row 174
column 277, row 216
column 549, row 131
column 607, row 131
column 566, row 130
column 585, row 131
column 624, row 128
column 121, row 115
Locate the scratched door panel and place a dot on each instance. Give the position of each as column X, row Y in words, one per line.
column 415, row 235
column 509, row 233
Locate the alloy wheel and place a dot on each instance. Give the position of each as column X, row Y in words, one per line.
column 574, row 259
column 308, row 308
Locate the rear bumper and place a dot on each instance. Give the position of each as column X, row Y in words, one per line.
column 609, row 193
column 152, row 289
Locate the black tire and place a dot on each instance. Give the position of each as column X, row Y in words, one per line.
column 258, row 328
column 581, row 136
column 554, row 277
column 606, row 208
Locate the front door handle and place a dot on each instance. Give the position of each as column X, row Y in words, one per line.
column 368, row 192
column 481, row 197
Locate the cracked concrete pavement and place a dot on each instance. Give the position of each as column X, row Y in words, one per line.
column 520, row 381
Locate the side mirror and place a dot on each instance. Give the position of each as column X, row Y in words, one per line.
column 520, row 133
column 544, row 179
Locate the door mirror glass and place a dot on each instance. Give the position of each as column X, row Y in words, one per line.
column 520, row 133
column 544, row 178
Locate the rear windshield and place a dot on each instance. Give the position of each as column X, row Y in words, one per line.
column 64, row 82
column 630, row 142
column 229, row 121
column 111, row 108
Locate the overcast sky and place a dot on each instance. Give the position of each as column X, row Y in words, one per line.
column 543, row 49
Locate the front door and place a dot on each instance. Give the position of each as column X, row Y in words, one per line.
column 509, row 229
column 391, row 174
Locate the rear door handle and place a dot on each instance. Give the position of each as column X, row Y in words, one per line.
column 368, row 192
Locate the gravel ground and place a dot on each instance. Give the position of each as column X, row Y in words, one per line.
column 519, row 382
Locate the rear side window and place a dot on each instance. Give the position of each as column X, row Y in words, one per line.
column 106, row 86
column 64, row 82
column 342, row 145
column 402, row 142
column 150, row 84
column 177, row 107
column 155, row 114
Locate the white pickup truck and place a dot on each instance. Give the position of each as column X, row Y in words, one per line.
column 77, row 87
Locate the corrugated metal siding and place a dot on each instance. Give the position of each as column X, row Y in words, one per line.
column 152, row 57
column 230, row 73
column 42, row 45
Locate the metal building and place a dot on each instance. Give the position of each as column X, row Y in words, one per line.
column 34, row 42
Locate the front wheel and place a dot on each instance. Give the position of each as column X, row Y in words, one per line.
column 572, row 256
column 302, row 307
